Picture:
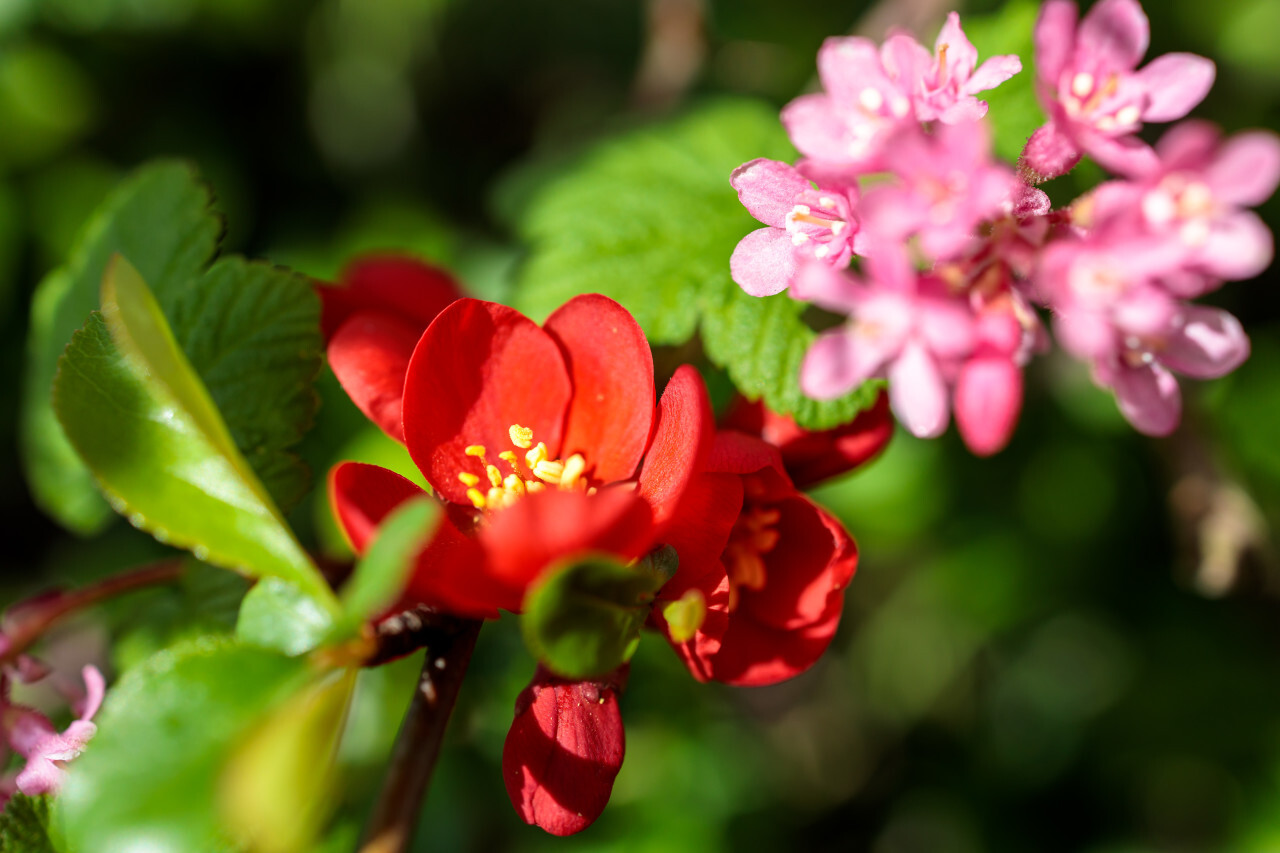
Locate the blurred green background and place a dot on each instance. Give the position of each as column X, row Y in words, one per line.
column 1072, row 646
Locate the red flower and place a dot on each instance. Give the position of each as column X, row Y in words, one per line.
column 760, row 588
column 564, row 750
column 811, row 457
column 372, row 321
column 544, row 443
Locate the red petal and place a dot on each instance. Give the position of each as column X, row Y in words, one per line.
column 450, row 570
column 700, row 530
column 479, row 369
column 811, row 457
column 755, row 655
column 611, row 368
column 563, row 752
column 370, row 355
column 681, row 441
column 362, row 495
column 551, row 526
column 405, row 288
column 812, row 563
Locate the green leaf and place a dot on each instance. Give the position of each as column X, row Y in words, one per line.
column 164, row 737
column 249, row 330
column 278, row 615
column 650, row 220
column 381, row 575
column 1014, row 112
column 140, row 418
column 585, row 619
column 24, row 825
column 278, row 788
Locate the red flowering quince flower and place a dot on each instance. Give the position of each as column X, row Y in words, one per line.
column 371, row 321
column 564, row 750
column 543, row 442
column 812, row 457
column 760, row 588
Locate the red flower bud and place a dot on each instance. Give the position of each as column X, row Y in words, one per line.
column 564, row 750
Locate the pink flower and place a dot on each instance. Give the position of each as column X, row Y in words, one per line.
column 1193, row 198
column 988, row 392
column 31, row 735
column 1112, row 312
column 804, row 223
column 942, row 86
column 1095, row 98
column 946, row 187
column 908, row 328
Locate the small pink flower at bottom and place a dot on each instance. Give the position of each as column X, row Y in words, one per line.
column 804, row 224
column 30, row 734
column 1095, row 98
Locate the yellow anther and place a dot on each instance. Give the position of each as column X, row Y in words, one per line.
column 534, row 486
column 521, row 437
column 591, row 491
column 539, row 453
column 509, row 457
column 572, row 470
column 475, row 450
column 494, row 475
column 548, row 471
column 468, row 479
column 477, row 499
column 496, row 498
column 514, row 485
column 765, row 540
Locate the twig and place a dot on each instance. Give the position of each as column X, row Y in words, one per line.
column 417, row 746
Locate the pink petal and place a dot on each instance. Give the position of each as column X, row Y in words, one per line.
column 962, row 56
column 1239, row 247
column 946, row 327
column 917, row 393
column 1048, row 153
column 1115, row 32
column 1188, row 145
column 1126, row 155
column 906, row 61
column 833, row 289
column 1247, row 168
column 1144, row 311
column 964, row 110
column 764, row 262
column 837, row 362
column 988, row 398
column 1175, row 83
column 992, row 73
column 1055, row 37
column 768, row 189
column 1085, row 334
column 817, row 128
column 848, row 66
column 96, row 687
column 40, row 776
column 1148, row 397
column 1211, row 343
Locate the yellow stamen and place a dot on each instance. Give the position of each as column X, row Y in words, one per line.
column 495, row 498
column 514, row 485
column 534, row 486
column 475, row 450
column 468, row 479
column 521, row 437
column 574, row 467
column 538, row 454
column 509, row 457
column 477, row 499
column 494, row 475
column 549, row 472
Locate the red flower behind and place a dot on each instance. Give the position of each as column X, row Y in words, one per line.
column 544, row 443
column 768, row 565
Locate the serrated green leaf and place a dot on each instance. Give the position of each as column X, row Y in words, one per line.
column 277, row 615
column 650, row 220
column 381, row 575
column 584, row 620
column 24, row 825
column 140, row 418
column 227, row 318
column 278, row 787
column 1014, row 112
column 151, row 776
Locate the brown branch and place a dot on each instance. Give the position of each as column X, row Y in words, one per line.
column 417, row 747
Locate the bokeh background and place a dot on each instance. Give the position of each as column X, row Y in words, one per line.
column 1074, row 645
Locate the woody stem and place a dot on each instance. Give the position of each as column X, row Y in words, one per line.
column 417, row 747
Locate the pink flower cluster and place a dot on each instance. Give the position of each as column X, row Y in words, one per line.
column 956, row 251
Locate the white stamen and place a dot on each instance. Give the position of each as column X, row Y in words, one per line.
column 871, row 100
column 1082, row 84
column 1129, row 115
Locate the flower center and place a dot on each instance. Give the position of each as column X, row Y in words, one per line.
column 754, row 534
column 532, row 474
column 821, row 222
